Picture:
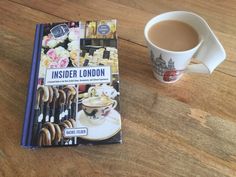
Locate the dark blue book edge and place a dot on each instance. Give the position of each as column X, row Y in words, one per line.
column 32, row 87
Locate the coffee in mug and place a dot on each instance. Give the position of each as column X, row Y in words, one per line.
column 173, row 35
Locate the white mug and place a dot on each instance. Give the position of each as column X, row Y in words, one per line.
column 169, row 66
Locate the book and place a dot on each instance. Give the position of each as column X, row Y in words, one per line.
column 73, row 91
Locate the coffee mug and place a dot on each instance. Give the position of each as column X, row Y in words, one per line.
column 97, row 108
column 169, row 66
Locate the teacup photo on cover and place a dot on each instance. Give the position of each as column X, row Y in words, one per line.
column 98, row 110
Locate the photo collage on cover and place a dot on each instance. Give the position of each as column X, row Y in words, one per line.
column 93, row 106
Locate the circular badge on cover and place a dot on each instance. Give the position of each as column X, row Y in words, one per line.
column 103, row 29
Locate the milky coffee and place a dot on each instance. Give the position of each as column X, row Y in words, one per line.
column 173, row 35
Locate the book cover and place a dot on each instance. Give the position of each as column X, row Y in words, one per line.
column 73, row 92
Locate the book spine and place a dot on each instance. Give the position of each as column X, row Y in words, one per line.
column 32, row 116
column 32, row 87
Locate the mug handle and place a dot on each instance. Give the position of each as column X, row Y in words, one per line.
column 211, row 53
column 114, row 104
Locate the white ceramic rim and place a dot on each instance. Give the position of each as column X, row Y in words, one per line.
column 146, row 29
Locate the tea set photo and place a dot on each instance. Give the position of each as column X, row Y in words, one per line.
column 98, row 110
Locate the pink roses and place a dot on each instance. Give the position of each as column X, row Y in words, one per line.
column 63, row 62
column 52, row 54
column 59, row 57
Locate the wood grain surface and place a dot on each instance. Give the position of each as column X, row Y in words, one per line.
column 184, row 129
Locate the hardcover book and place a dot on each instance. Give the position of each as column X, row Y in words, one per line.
column 73, row 93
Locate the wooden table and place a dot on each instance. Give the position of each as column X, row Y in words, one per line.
column 182, row 129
